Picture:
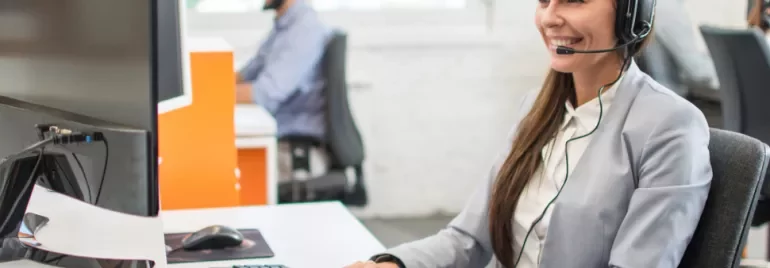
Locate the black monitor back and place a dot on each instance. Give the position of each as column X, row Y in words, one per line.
column 129, row 183
column 108, row 59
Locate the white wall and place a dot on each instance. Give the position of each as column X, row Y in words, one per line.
column 436, row 91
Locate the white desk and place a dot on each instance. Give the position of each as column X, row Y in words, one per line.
column 255, row 128
column 301, row 236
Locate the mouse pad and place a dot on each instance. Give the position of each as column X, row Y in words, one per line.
column 253, row 246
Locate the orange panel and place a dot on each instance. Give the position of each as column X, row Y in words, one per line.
column 253, row 166
column 197, row 142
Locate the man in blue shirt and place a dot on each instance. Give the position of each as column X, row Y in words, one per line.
column 285, row 78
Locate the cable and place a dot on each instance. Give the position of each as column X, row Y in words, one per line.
column 626, row 61
column 104, row 169
column 66, row 176
column 85, row 177
column 55, row 259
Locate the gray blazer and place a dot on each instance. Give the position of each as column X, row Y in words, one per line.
column 633, row 200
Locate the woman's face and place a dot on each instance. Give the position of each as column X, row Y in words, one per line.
column 578, row 24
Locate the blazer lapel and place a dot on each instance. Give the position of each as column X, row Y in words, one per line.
column 577, row 190
column 612, row 118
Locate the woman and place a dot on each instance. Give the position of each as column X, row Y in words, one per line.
column 630, row 167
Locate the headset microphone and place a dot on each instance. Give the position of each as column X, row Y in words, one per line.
column 562, row 50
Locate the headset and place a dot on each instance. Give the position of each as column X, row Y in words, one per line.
column 633, row 23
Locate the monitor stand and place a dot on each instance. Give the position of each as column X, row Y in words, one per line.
column 52, row 172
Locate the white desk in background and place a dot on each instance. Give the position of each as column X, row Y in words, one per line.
column 305, row 235
column 255, row 128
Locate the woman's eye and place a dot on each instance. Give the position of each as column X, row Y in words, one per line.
column 576, row 1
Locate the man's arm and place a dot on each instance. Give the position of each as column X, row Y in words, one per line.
column 282, row 75
column 674, row 181
column 249, row 71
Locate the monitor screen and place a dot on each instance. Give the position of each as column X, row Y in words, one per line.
column 174, row 86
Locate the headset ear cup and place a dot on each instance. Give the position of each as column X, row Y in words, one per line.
column 621, row 21
column 634, row 19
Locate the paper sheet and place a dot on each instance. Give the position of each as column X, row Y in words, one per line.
column 80, row 229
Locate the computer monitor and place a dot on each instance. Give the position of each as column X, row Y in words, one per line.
column 174, row 88
column 99, row 65
column 113, row 60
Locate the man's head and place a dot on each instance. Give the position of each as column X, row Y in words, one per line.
column 277, row 4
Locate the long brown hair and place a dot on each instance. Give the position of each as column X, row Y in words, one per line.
column 534, row 132
column 755, row 16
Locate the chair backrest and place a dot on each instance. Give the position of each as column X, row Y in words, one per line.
column 343, row 139
column 739, row 163
column 742, row 61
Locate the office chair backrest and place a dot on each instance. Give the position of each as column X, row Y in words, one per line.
column 739, row 163
column 742, row 61
column 343, row 138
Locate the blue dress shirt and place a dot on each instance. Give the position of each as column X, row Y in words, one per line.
column 286, row 73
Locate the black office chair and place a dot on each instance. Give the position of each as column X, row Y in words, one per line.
column 343, row 140
column 739, row 163
column 742, row 60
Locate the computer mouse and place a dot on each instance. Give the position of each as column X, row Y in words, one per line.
column 213, row 237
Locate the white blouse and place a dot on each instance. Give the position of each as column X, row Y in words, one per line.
column 549, row 178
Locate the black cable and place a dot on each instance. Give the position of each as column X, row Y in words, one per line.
column 104, row 169
column 66, row 176
column 85, row 177
column 55, row 259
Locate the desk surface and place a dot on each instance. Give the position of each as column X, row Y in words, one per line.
column 253, row 121
column 301, row 235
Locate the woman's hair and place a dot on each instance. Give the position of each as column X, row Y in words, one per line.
column 756, row 14
column 535, row 130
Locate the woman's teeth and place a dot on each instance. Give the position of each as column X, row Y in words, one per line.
column 564, row 42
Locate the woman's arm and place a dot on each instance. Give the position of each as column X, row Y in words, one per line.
column 463, row 243
column 673, row 184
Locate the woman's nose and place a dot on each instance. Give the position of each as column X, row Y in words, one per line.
column 550, row 16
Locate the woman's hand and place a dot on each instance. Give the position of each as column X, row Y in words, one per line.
column 371, row 264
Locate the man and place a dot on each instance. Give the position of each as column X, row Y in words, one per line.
column 671, row 58
column 285, row 78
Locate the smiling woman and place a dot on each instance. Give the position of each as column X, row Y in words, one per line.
column 601, row 155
